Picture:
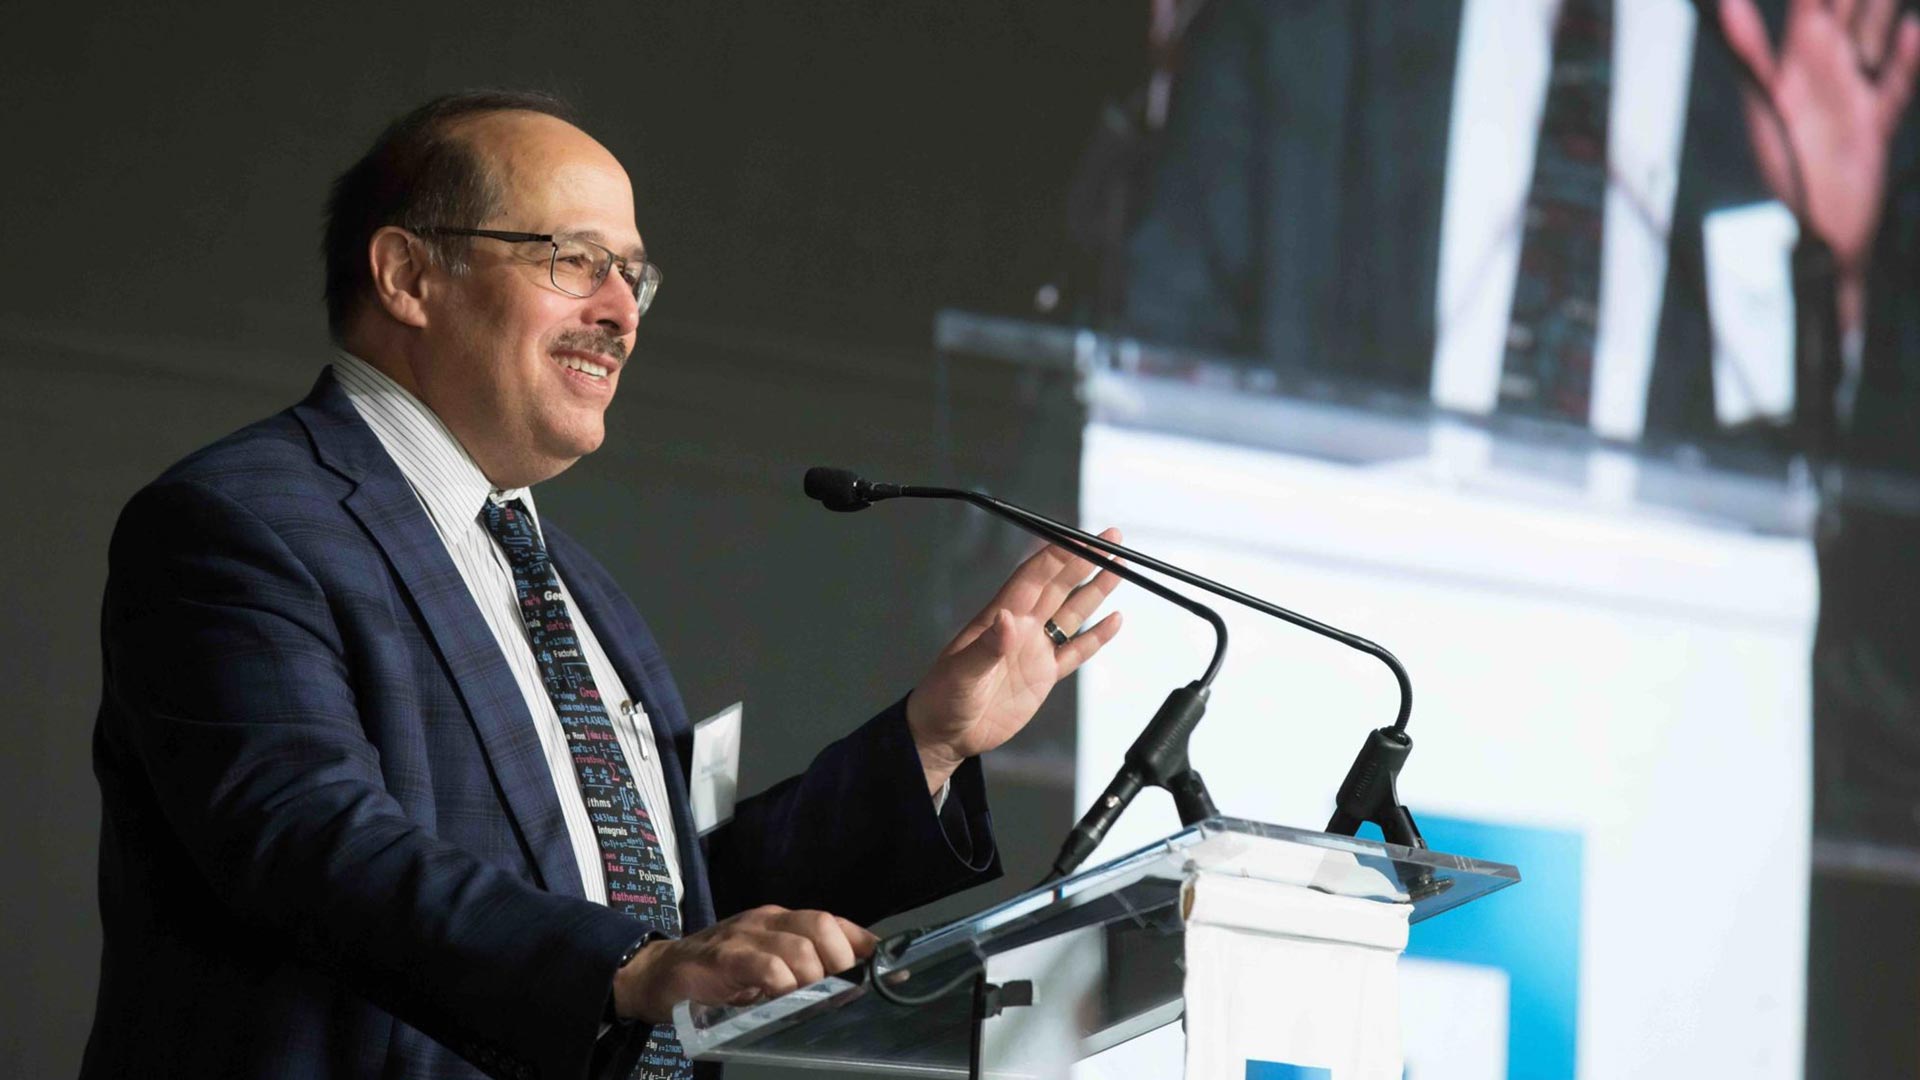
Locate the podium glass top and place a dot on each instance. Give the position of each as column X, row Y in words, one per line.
column 1132, row 903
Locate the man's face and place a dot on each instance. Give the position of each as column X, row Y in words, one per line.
column 501, row 354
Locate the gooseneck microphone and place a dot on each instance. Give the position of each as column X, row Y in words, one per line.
column 843, row 491
column 846, row 491
column 1369, row 791
column 1158, row 758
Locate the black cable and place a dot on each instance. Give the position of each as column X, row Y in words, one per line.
column 889, row 951
column 1352, row 641
column 1076, row 542
column 1082, row 544
column 877, row 979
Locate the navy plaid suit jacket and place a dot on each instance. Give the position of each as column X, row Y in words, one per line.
column 331, row 846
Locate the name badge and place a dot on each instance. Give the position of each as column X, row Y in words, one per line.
column 716, row 768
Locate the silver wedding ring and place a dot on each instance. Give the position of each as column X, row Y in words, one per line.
column 1055, row 634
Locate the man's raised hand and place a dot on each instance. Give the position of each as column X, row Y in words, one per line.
column 992, row 677
column 1841, row 79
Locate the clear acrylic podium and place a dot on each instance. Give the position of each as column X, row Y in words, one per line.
column 1063, row 972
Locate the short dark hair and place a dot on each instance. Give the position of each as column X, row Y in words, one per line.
column 417, row 174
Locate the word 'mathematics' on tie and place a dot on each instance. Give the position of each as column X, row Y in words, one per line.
column 630, row 856
column 1548, row 367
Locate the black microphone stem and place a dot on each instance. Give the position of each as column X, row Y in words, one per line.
column 1369, row 791
column 1158, row 757
column 1055, row 528
column 1072, row 540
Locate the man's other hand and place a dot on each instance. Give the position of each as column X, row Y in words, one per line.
column 1841, row 79
column 756, row 954
column 991, row 678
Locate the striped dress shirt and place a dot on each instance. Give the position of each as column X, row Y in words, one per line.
column 452, row 489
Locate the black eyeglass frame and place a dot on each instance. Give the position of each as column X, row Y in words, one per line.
column 645, row 282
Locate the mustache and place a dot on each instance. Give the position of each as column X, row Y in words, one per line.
column 601, row 342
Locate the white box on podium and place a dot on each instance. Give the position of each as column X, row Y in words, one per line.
column 1289, row 981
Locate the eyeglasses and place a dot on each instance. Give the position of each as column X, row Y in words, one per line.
column 578, row 266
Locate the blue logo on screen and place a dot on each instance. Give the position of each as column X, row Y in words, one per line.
column 1274, row 1070
column 1531, row 931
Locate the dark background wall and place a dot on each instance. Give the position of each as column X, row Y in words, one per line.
column 816, row 179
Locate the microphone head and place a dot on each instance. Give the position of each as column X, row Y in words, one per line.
column 841, row 490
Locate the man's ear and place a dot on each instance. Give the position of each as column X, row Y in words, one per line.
column 399, row 268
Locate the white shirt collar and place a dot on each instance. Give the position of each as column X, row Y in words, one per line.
column 442, row 474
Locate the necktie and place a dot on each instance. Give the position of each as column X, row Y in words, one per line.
column 630, row 856
column 1548, row 367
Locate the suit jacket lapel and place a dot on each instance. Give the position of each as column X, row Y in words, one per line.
column 672, row 733
column 387, row 507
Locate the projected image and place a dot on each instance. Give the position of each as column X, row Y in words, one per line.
column 1567, row 348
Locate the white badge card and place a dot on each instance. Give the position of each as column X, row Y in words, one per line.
column 1749, row 251
column 716, row 768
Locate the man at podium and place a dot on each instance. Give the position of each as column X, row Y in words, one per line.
column 394, row 778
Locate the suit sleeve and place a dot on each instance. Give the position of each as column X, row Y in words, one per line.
column 227, row 675
column 856, row 834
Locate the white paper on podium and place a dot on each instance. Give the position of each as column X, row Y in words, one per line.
column 1286, row 975
column 716, row 768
